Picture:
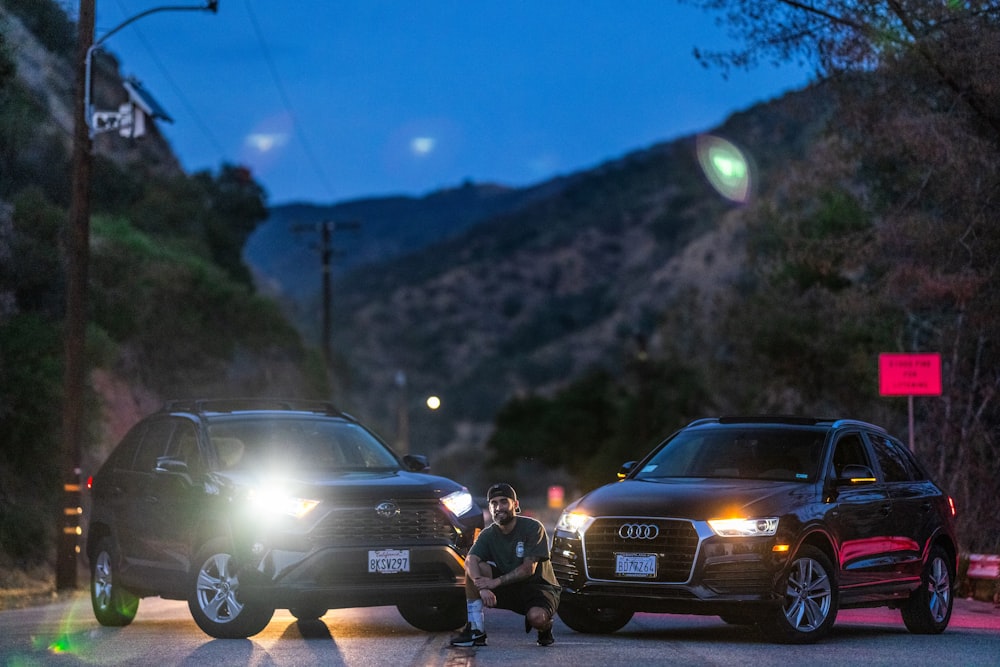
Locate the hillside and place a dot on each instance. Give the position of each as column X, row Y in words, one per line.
column 531, row 298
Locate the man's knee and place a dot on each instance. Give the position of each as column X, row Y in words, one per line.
column 539, row 618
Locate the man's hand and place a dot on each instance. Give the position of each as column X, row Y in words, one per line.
column 488, row 597
column 486, row 583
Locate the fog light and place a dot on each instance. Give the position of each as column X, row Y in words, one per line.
column 780, row 548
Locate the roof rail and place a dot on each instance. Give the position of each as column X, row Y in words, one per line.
column 773, row 419
column 249, row 404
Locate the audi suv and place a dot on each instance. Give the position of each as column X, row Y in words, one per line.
column 244, row 506
column 774, row 522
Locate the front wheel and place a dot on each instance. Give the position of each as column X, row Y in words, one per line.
column 113, row 605
column 593, row 620
column 435, row 617
column 214, row 596
column 810, row 606
column 928, row 609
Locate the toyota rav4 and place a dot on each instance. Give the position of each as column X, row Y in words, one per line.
column 241, row 507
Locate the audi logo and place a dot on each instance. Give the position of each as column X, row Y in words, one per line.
column 638, row 531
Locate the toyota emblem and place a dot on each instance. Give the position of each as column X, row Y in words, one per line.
column 638, row 531
column 387, row 510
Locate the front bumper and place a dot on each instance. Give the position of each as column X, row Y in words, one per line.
column 697, row 572
column 338, row 577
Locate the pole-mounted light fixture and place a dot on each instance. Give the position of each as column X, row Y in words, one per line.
column 130, row 118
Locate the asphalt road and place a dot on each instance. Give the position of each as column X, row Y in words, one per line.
column 65, row 633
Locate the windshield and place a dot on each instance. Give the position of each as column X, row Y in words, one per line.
column 305, row 444
column 741, row 453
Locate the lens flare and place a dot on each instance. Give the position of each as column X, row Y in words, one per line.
column 725, row 166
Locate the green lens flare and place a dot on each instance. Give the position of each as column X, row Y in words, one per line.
column 725, row 166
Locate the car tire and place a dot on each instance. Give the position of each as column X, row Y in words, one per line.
column 307, row 613
column 448, row 615
column 810, row 605
column 114, row 605
column 593, row 620
column 214, row 596
column 928, row 609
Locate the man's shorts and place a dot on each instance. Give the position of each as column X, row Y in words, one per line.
column 523, row 595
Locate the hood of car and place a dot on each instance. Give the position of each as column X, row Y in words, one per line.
column 692, row 498
column 352, row 485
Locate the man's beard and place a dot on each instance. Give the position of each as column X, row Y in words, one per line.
column 503, row 517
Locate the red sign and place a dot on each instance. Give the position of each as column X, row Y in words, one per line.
column 909, row 374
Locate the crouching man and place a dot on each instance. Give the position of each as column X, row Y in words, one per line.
column 508, row 567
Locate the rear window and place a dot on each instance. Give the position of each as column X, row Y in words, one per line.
column 779, row 454
column 301, row 444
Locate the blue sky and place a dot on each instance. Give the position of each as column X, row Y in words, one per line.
column 327, row 101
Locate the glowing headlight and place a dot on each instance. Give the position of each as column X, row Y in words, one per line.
column 274, row 501
column 458, row 503
column 574, row 522
column 744, row 527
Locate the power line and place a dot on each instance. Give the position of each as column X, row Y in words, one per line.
column 314, row 161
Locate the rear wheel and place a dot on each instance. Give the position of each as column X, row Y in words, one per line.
column 928, row 610
column 593, row 620
column 113, row 605
column 214, row 596
column 435, row 617
column 810, row 606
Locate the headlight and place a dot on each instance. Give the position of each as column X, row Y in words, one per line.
column 744, row 527
column 458, row 503
column 274, row 501
column 574, row 522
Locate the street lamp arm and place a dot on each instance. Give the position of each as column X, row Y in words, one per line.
column 209, row 6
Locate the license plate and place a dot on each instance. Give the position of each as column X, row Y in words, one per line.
column 635, row 565
column 389, row 561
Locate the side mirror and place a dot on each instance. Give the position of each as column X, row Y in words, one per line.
column 625, row 470
column 166, row 464
column 855, row 475
column 416, row 463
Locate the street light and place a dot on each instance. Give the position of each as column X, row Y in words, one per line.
column 78, row 259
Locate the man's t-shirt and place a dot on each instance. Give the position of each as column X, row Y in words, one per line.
column 528, row 538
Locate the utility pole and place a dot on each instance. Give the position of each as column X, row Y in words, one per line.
column 77, row 278
column 78, row 259
column 326, row 229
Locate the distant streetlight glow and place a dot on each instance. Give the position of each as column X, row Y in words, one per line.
column 433, row 402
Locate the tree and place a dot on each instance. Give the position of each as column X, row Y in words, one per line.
column 918, row 130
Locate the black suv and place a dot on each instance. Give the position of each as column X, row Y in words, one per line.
column 241, row 507
column 777, row 522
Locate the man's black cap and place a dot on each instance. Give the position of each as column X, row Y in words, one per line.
column 501, row 491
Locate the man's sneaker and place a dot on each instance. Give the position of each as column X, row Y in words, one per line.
column 470, row 637
column 545, row 637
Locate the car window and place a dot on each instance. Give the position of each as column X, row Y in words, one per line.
column 184, row 447
column 303, row 444
column 896, row 464
column 850, row 450
column 154, row 444
column 124, row 454
column 756, row 453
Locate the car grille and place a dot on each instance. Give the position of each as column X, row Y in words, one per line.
column 359, row 526
column 675, row 545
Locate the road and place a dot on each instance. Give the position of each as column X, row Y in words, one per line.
column 65, row 633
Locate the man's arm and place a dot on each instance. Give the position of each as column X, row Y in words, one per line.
column 519, row 573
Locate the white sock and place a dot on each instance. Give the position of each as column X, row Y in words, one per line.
column 476, row 617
